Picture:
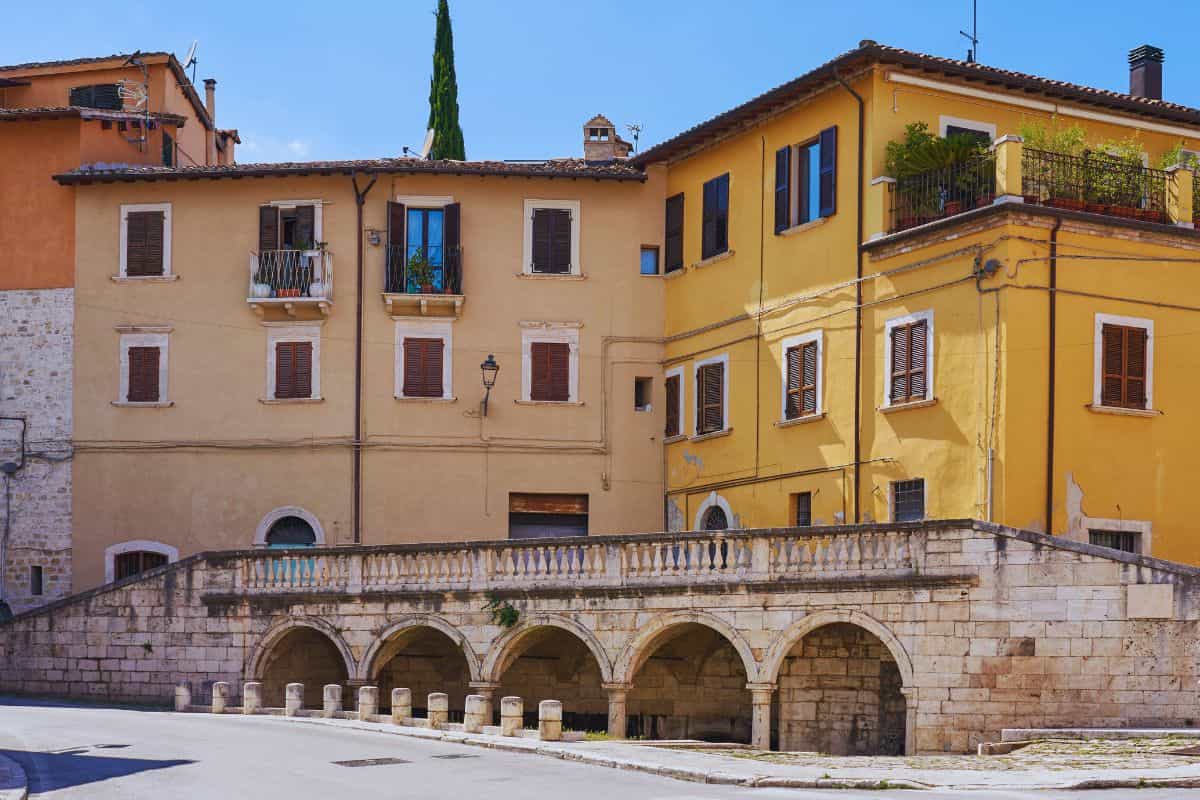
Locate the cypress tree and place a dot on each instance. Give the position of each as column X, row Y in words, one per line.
column 443, row 92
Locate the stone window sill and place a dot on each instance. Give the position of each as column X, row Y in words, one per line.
column 404, row 399
column 282, row 401
column 552, row 276
column 909, row 405
column 700, row 437
column 787, row 423
column 803, row 226
column 143, row 278
column 719, row 257
column 675, row 273
column 548, row 402
column 1123, row 412
column 679, row 437
column 136, row 404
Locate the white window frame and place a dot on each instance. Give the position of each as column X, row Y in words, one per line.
column 1098, row 357
column 290, row 332
column 714, row 499
column 273, row 516
column 135, row 338
column 425, row 329
column 113, row 550
column 318, row 214
column 1144, row 529
column 137, row 207
column 787, row 344
column 561, row 332
column 924, row 498
column 891, row 325
column 424, row 201
column 677, row 372
column 527, row 245
column 945, row 122
column 722, row 359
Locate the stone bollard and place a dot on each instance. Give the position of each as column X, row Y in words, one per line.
column 183, row 696
column 368, row 702
column 220, row 697
column 550, row 720
column 252, row 697
column 401, row 706
column 475, row 713
column 293, row 699
column 333, row 699
column 437, row 710
column 512, row 716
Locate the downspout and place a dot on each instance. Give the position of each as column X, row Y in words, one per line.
column 360, row 197
column 1052, row 362
column 858, row 297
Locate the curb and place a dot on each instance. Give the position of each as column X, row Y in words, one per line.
column 14, row 785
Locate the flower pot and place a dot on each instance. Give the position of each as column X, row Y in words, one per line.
column 1096, row 208
column 316, row 289
column 985, row 199
column 1128, row 212
column 952, row 207
column 1150, row 215
column 260, row 290
column 905, row 223
column 1031, row 199
column 1066, row 202
column 426, row 288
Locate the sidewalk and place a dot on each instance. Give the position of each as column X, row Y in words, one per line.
column 1048, row 765
column 13, row 784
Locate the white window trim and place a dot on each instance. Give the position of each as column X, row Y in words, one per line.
column 264, row 526
column 425, row 329
column 136, row 207
column 892, row 498
column 722, row 359
column 318, row 213
column 714, row 499
column 294, row 333
column 887, row 359
column 677, row 372
column 113, row 550
column 1142, row 527
column 945, row 122
column 158, row 340
column 567, row 332
column 527, row 246
column 1098, row 356
column 787, row 344
column 424, row 200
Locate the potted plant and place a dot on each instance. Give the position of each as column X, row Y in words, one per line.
column 933, row 173
column 421, row 272
column 1051, row 173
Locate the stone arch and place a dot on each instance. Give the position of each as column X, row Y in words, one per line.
column 646, row 640
column 714, row 499
column 273, row 516
column 145, row 545
column 506, row 648
column 819, row 619
column 367, row 667
column 275, row 633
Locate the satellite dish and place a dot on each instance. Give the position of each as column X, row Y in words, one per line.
column 427, row 145
column 190, row 59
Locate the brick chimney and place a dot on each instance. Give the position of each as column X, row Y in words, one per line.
column 210, row 98
column 1145, row 72
column 600, row 141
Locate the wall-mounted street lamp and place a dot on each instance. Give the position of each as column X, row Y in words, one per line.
column 490, row 369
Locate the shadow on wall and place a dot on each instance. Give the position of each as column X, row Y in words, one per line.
column 51, row 771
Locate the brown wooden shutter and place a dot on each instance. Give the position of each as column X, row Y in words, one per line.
column 143, row 375
column 268, row 228
column 293, row 370
column 801, row 380
column 710, row 397
column 530, row 503
column 452, row 252
column 550, row 371
column 910, row 348
column 673, row 240
column 1123, row 384
column 423, row 367
column 672, row 390
column 551, row 240
column 541, row 240
column 306, row 227
column 397, row 253
column 144, row 243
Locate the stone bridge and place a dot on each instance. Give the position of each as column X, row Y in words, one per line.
column 864, row 639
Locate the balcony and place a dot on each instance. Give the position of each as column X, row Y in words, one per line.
column 1095, row 183
column 430, row 286
column 920, row 199
column 291, row 283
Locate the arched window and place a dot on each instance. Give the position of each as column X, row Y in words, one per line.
column 136, row 562
column 291, row 532
column 715, row 519
column 126, row 559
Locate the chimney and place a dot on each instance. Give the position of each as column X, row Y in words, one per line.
column 1145, row 72
column 210, row 98
column 600, row 141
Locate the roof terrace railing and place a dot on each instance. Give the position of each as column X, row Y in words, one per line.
column 1094, row 182
column 944, row 192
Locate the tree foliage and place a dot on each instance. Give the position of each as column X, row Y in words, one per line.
column 443, row 93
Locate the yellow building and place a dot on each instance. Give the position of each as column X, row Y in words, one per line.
column 1009, row 338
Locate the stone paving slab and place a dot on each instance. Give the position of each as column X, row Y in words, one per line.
column 1022, row 734
column 13, row 783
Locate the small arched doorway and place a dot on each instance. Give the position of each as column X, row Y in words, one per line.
column 301, row 655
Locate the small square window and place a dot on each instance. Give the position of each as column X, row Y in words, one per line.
column 908, row 500
column 649, row 262
column 641, row 393
column 1124, row 541
column 35, row 581
column 804, row 509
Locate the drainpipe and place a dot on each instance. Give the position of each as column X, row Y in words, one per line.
column 1050, row 374
column 360, row 197
column 858, row 298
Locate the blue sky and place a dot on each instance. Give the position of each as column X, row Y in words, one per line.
column 315, row 80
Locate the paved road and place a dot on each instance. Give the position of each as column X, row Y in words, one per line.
column 107, row 753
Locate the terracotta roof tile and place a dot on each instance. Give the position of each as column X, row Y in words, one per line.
column 60, row 112
column 74, row 62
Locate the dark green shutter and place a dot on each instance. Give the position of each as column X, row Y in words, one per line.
column 783, row 188
column 829, row 171
column 452, row 248
column 673, row 239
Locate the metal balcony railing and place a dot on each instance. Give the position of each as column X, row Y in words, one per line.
column 403, row 278
column 300, row 274
column 1094, row 182
column 944, row 192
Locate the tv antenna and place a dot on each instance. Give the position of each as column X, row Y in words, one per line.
column 635, row 129
column 136, row 96
column 426, row 146
column 973, row 36
column 190, row 60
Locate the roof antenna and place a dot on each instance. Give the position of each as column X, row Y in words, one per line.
column 973, row 36
column 635, row 128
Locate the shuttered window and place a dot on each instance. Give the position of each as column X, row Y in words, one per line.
column 806, row 181
column 1123, row 360
column 674, row 424
column 673, row 238
column 551, row 241
column 135, row 563
column 801, row 381
column 293, row 370
column 710, row 398
column 910, row 348
column 423, row 367
column 783, row 188
column 714, row 238
column 550, row 377
column 828, row 177
column 143, row 375
column 143, row 243
column 99, row 95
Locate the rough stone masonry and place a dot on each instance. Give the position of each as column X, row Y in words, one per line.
column 858, row 639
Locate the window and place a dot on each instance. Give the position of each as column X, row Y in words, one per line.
column 715, row 519
column 288, row 226
column 673, row 384
column 137, row 562
column 145, row 240
column 673, row 238
column 649, row 261
column 100, row 95
column 424, row 251
column 143, row 375
column 423, row 359
column 909, row 362
column 803, row 509
column 712, row 395
column 642, row 390
column 293, row 362
column 291, row 531
column 540, row 516
column 550, row 362
column 552, row 237
column 801, row 376
column 168, row 149
column 908, row 500
column 36, row 587
column 983, row 132
column 806, row 181
column 143, row 365
column 1124, row 353
column 1125, row 541
column 714, row 238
